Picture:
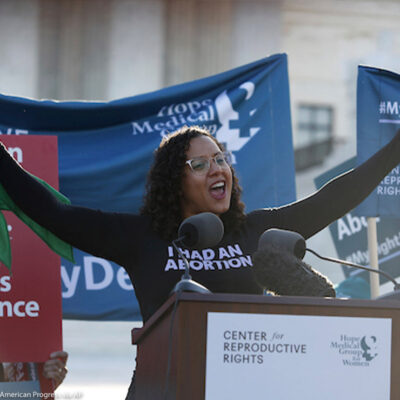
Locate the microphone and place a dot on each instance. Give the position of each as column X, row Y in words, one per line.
column 290, row 241
column 198, row 231
column 280, row 271
column 294, row 243
column 201, row 231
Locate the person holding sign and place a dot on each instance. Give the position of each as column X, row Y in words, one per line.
column 191, row 174
column 55, row 369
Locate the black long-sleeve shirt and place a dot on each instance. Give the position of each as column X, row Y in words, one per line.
column 151, row 262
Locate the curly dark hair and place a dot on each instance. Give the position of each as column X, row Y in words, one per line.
column 162, row 201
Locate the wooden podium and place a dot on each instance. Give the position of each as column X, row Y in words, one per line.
column 189, row 336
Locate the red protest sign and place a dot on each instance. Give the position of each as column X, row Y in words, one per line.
column 30, row 299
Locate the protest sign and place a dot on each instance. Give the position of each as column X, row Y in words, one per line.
column 30, row 299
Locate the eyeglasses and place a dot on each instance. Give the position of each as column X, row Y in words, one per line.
column 201, row 165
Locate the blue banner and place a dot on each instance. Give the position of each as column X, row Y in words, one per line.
column 378, row 118
column 105, row 151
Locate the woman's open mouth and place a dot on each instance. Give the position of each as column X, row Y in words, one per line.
column 217, row 190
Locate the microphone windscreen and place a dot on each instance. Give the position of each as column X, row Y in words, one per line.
column 201, row 231
column 284, row 274
column 290, row 241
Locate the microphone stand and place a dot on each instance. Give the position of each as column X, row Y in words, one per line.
column 186, row 284
column 387, row 276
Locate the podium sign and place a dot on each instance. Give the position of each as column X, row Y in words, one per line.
column 249, row 354
column 30, row 299
column 233, row 346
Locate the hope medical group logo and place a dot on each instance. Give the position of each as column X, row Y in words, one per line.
column 232, row 131
column 232, row 117
column 356, row 351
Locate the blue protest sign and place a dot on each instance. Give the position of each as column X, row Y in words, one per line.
column 105, row 151
column 378, row 118
column 349, row 235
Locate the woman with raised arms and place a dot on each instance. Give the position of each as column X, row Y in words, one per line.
column 191, row 174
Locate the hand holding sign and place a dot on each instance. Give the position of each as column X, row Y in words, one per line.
column 55, row 368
